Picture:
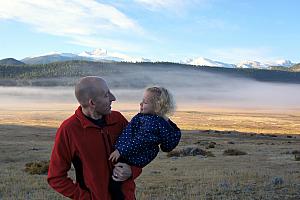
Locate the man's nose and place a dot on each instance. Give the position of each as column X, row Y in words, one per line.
column 112, row 97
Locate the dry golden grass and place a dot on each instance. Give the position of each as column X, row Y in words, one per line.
column 244, row 122
column 236, row 120
column 251, row 176
column 266, row 172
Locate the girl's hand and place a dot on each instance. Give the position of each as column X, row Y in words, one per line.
column 114, row 156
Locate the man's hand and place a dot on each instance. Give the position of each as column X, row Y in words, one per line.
column 121, row 172
column 114, row 156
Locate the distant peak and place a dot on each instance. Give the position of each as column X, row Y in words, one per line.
column 46, row 54
column 201, row 61
column 95, row 53
column 251, row 64
column 99, row 52
column 281, row 62
column 264, row 65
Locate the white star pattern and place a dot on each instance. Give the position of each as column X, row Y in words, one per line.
column 140, row 140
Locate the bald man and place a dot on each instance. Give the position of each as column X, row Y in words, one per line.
column 86, row 140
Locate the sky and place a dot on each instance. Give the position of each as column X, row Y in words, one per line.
column 161, row 30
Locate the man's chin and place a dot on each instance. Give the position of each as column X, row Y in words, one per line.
column 104, row 113
column 109, row 111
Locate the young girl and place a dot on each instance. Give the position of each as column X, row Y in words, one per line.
column 150, row 129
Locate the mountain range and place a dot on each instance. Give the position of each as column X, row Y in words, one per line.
column 200, row 61
column 104, row 56
column 96, row 55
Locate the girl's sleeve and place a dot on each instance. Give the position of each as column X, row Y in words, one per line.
column 127, row 142
column 170, row 135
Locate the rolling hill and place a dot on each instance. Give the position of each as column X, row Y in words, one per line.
column 10, row 61
column 133, row 75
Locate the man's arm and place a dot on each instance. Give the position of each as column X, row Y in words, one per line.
column 60, row 164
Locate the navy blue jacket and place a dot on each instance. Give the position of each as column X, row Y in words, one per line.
column 139, row 143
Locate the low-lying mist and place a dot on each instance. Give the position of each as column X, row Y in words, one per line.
column 191, row 90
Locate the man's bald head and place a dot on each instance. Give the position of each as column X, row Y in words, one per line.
column 89, row 88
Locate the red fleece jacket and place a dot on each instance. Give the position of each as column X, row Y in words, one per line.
column 88, row 147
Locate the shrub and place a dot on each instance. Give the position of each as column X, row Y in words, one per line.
column 174, row 153
column 211, row 145
column 38, row 167
column 277, row 181
column 297, row 157
column 295, row 152
column 233, row 152
column 189, row 151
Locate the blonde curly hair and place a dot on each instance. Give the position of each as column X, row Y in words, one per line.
column 163, row 101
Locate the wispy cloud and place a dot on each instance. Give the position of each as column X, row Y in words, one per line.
column 161, row 4
column 106, row 43
column 175, row 6
column 70, row 18
column 235, row 55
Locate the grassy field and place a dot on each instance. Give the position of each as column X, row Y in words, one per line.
column 268, row 170
column 256, row 121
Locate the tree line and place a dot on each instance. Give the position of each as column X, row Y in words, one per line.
column 84, row 68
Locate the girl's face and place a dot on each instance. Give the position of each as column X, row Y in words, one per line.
column 147, row 106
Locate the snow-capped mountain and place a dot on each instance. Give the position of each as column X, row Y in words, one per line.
column 102, row 54
column 265, row 65
column 105, row 56
column 284, row 63
column 200, row 61
column 251, row 64
column 95, row 55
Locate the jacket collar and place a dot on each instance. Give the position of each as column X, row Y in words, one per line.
column 109, row 119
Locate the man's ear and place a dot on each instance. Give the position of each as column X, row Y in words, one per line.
column 91, row 102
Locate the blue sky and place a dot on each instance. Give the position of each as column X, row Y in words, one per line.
column 167, row 30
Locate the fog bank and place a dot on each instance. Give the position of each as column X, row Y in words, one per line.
column 190, row 89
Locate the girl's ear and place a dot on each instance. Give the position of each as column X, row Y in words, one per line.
column 157, row 107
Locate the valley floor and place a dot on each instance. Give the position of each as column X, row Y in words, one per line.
column 251, row 121
column 269, row 169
